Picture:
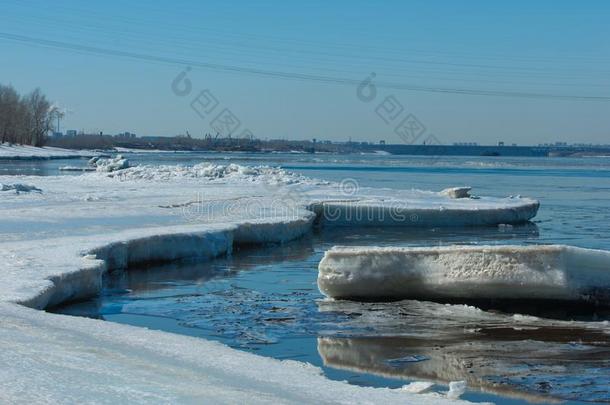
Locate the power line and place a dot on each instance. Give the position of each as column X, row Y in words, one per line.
column 287, row 75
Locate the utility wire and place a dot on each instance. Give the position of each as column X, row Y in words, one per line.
column 287, row 75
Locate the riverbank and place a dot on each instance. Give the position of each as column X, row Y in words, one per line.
column 57, row 242
column 26, row 152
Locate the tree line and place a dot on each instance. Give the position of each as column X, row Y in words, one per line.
column 25, row 119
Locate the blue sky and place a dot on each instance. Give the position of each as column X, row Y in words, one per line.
column 532, row 71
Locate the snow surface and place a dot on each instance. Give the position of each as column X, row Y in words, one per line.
column 32, row 152
column 55, row 246
column 467, row 272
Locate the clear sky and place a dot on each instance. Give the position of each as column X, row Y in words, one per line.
column 475, row 71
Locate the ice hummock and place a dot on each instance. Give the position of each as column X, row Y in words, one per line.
column 213, row 171
column 549, row 272
column 109, row 165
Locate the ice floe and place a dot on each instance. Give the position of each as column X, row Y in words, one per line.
column 550, row 272
column 457, row 192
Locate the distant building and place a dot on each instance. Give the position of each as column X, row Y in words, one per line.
column 501, row 143
column 71, row 132
column 57, row 134
column 126, row 135
column 382, row 142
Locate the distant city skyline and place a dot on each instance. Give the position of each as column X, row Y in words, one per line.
column 471, row 72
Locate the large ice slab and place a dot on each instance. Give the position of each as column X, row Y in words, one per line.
column 422, row 210
column 554, row 272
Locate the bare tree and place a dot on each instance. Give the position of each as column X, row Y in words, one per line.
column 25, row 120
column 10, row 104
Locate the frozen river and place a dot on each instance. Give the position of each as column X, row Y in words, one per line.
column 266, row 300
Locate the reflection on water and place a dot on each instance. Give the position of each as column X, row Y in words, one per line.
column 518, row 356
column 266, row 300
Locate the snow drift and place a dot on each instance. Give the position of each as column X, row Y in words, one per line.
column 554, row 272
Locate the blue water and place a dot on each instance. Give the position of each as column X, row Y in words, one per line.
column 266, row 300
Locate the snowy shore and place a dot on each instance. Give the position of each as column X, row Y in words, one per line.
column 56, row 243
column 35, row 153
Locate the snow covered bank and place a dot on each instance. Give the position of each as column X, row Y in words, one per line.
column 55, row 246
column 91, row 360
column 32, row 152
column 50, row 358
column 467, row 272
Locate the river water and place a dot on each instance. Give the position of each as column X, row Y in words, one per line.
column 266, row 301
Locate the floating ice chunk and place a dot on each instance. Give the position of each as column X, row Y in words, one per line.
column 75, row 169
column 111, row 165
column 456, row 389
column 425, row 210
column 19, row 187
column 418, row 387
column 466, row 272
column 456, row 192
